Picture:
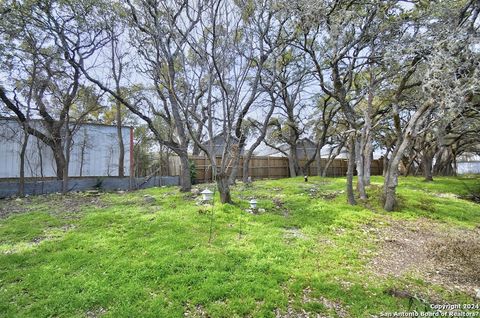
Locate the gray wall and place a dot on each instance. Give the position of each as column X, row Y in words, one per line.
column 468, row 163
column 472, row 167
column 95, row 151
column 10, row 188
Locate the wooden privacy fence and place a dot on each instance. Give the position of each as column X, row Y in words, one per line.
column 276, row 167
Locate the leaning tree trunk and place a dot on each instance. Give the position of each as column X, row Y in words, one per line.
column 331, row 158
column 327, row 166
column 391, row 176
column 309, row 161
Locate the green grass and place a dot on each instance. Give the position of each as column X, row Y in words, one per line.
column 127, row 258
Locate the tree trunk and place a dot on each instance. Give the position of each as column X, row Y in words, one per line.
column 117, row 71
column 65, row 178
column 391, row 181
column 391, row 176
column 21, row 184
column 351, row 168
column 331, row 158
column 246, row 163
column 234, row 172
column 438, row 160
column 367, row 162
column 292, row 161
column 305, row 170
column 427, row 162
column 167, row 159
column 82, row 154
column 40, row 157
column 26, row 135
column 291, row 167
column 162, row 163
column 385, row 163
column 59, row 157
column 236, row 162
column 224, row 188
column 319, row 162
column 366, row 137
column 325, row 169
column 195, row 150
column 68, row 144
column 444, row 162
column 309, row 160
column 360, row 169
column 454, row 164
column 121, row 146
column 185, row 180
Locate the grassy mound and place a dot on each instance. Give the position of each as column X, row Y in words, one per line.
column 307, row 253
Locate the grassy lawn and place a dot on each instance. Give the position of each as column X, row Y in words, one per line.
column 308, row 253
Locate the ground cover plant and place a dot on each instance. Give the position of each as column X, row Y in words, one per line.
column 305, row 253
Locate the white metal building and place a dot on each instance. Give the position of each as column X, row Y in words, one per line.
column 94, row 151
column 468, row 163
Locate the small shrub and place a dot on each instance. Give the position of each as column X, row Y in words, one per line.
column 98, row 184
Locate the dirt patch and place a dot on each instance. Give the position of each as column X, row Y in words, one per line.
column 97, row 312
column 329, row 195
column 460, row 256
column 52, row 203
column 445, row 195
column 294, row 233
column 447, row 256
column 13, row 206
column 191, row 196
column 307, row 298
column 334, row 306
column 48, row 234
column 196, row 311
column 280, row 206
column 292, row 313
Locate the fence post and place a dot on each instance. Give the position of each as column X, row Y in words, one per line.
column 268, row 167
